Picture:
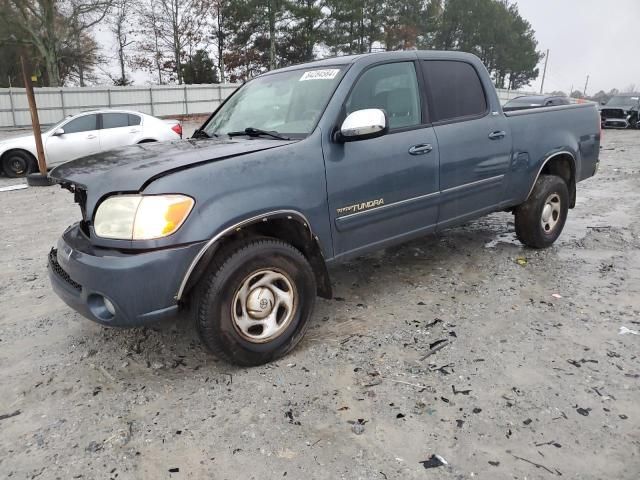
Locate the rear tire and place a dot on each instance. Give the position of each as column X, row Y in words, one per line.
column 254, row 303
column 18, row 163
column 540, row 220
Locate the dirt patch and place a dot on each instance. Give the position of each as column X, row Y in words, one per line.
column 528, row 375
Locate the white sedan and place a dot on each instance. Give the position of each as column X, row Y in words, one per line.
column 85, row 134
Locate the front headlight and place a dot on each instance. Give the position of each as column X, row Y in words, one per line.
column 141, row 217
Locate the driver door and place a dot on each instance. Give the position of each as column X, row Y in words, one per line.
column 386, row 188
column 81, row 137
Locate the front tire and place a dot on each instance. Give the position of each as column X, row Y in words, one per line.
column 540, row 220
column 254, row 303
column 18, row 163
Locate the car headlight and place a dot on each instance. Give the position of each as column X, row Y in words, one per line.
column 141, row 217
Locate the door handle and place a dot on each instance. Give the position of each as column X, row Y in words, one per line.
column 420, row 149
column 497, row 135
column 135, row 130
column 91, row 137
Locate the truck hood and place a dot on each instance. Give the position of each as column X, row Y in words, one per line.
column 132, row 168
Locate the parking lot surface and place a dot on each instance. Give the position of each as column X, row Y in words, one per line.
column 537, row 377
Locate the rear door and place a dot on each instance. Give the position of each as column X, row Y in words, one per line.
column 474, row 141
column 119, row 129
column 384, row 188
column 80, row 138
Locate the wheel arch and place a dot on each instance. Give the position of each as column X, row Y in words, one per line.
column 286, row 225
column 146, row 140
column 563, row 165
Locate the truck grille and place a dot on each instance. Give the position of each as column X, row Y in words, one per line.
column 612, row 113
column 59, row 271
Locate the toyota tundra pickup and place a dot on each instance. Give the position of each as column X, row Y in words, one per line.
column 300, row 168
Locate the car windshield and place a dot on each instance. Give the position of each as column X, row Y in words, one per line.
column 623, row 101
column 56, row 125
column 287, row 103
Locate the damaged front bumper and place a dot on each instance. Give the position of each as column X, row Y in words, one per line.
column 117, row 288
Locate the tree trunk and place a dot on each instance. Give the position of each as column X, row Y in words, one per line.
column 220, row 44
column 51, row 54
column 272, row 34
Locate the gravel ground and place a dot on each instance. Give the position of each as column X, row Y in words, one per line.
column 534, row 381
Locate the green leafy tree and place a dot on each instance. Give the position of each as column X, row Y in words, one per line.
column 199, row 68
column 496, row 32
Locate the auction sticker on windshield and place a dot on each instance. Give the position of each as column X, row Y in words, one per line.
column 329, row 74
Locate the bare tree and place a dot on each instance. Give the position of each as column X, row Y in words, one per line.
column 171, row 31
column 49, row 25
column 120, row 26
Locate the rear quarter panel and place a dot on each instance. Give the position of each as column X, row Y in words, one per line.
column 540, row 133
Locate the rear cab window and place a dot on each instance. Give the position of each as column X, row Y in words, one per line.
column 455, row 90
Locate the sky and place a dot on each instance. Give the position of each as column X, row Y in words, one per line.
column 599, row 38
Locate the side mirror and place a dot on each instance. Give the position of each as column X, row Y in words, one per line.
column 58, row 132
column 603, row 103
column 363, row 124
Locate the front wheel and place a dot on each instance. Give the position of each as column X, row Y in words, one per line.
column 254, row 303
column 540, row 220
column 18, row 163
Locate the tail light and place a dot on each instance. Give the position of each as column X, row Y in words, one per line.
column 178, row 129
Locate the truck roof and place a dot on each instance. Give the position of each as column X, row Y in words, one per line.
column 381, row 56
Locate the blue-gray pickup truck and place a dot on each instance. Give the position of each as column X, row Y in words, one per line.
column 302, row 167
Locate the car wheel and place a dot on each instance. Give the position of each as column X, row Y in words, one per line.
column 16, row 164
column 254, row 303
column 540, row 220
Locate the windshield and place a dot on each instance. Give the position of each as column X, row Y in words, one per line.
column 56, row 125
column 287, row 103
column 623, row 102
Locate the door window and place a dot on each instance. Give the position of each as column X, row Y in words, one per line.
column 456, row 90
column 114, row 120
column 392, row 87
column 134, row 120
column 86, row 123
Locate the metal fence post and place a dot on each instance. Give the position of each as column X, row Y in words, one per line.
column 13, row 111
column 64, row 110
column 109, row 96
column 151, row 100
column 186, row 102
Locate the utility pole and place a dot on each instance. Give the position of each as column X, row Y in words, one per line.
column 544, row 74
column 35, row 121
column 585, row 87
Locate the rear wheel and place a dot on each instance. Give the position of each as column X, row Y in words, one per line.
column 540, row 220
column 17, row 163
column 254, row 303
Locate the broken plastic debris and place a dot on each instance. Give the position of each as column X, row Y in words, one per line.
column 434, row 461
column 556, row 295
column 522, row 261
column 624, row 331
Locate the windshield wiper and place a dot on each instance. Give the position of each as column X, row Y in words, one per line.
column 199, row 133
column 256, row 132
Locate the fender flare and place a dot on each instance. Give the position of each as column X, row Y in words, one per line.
column 547, row 160
column 214, row 241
